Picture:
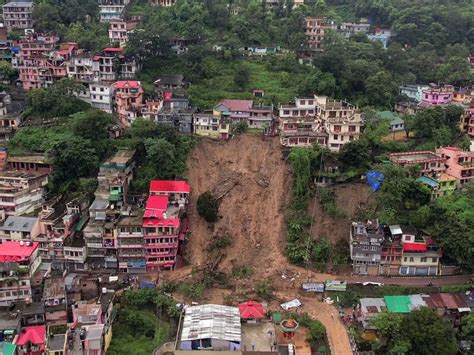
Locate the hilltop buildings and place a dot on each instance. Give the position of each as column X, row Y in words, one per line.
column 18, row 14
column 319, row 120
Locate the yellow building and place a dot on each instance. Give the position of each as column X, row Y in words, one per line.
column 213, row 126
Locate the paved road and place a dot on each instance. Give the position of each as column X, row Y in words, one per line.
column 412, row 281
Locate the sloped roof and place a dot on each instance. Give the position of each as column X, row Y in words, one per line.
column 428, row 181
column 161, row 222
column 130, row 84
column 169, row 186
column 14, row 251
column 251, row 310
column 19, row 224
column 237, row 105
column 34, row 334
column 156, row 203
column 211, row 321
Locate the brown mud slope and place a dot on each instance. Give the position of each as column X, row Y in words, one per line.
column 350, row 198
column 255, row 184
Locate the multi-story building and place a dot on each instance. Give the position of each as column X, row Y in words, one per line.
column 382, row 35
column 316, row 29
column 348, row 29
column 366, row 247
column 414, row 92
column 162, row 3
column 18, row 14
column 110, row 203
column 81, row 68
column 343, row 121
column 213, row 126
column 21, row 192
column 163, row 227
column 111, row 10
column 19, row 261
column 131, row 244
column 10, row 117
column 55, row 300
column 430, row 163
column 468, row 120
column 120, row 30
column 459, row 164
column 102, row 96
column 440, row 185
column 111, row 64
column 128, row 100
column 319, row 120
column 34, row 60
column 420, row 253
column 437, row 96
column 255, row 115
column 20, row 228
column 181, row 119
column 36, row 163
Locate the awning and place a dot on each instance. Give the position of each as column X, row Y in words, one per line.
column 414, row 247
column 81, row 223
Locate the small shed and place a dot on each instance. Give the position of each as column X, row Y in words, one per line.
column 335, row 285
column 313, row 287
column 251, row 312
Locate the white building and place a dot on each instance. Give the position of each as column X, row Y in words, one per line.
column 101, row 96
column 18, row 14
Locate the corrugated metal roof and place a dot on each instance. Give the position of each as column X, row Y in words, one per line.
column 211, row 322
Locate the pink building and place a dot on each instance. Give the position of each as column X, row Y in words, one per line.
column 128, row 100
column 164, row 231
column 459, row 163
column 119, row 31
column 32, row 340
column 437, row 96
column 429, row 162
column 468, row 122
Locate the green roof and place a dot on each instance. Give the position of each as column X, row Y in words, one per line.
column 398, row 304
column 81, row 223
column 8, row 349
column 387, row 115
column 428, row 181
column 277, row 317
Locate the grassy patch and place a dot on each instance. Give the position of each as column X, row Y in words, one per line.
column 125, row 341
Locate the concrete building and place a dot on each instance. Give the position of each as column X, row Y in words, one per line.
column 211, row 327
column 164, row 228
column 348, row 29
column 459, row 164
column 382, row 35
column 128, row 100
column 21, row 192
column 18, row 14
column 131, row 244
column 437, row 96
column 18, row 263
column 162, row 3
column 19, row 228
column 414, row 92
column 316, row 29
column 366, row 247
column 119, row 31
column 102, row 96
column 214, row 126
column 111, row 10
column 55, row 301
column 255, row 115
column 430, row 163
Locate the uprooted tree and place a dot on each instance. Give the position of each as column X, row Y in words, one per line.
column 208, row 207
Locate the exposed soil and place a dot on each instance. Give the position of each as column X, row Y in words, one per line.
column 350, row 198
column 254, row 183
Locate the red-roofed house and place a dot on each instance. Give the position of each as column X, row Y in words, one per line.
column 32, row 340
column 256, row 116
column 251, row 311
column 128, row 100
column 19, row 262
column 162, row 227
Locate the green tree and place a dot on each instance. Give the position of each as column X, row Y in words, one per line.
column 46, row 17
column 6, row 71
column 241, row 76
column 381, row 89
column 467, row 327
column 161, row 154
column 208, row 207
column 92, row 125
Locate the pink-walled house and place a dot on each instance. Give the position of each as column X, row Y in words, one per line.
column 437, row 96
column 459, row 164
column 128, row 100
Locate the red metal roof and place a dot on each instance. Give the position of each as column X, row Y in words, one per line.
column 34, row 334
column 130, row 84
column 251, row 310
column 238, row 105
column 161, row 222
column 14, row 251
column 112, row 49
column 414, row 247
column 169, row 186
column 453, row 300
column 157, row 202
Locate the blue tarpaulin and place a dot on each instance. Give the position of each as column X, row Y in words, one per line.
column 147, row 285
column 374, row 179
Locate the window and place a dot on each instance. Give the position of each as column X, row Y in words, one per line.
column 352, row 128
column 336, row 137
column 405, row 258
column 411, row 259
column 434, row 260
column 423, row 260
